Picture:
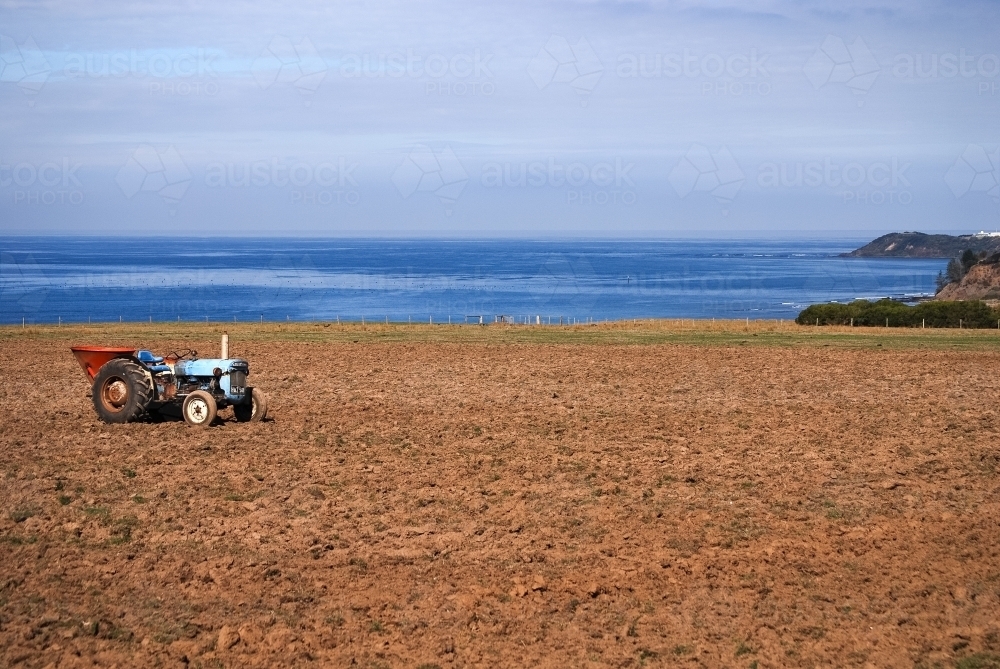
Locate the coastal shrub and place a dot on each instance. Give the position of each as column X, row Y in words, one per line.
column 965, row 313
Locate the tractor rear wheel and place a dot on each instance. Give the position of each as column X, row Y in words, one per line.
column 254, row 411
column 199, row 408
column 122, row 391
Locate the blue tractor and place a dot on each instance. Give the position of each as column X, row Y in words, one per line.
column 129, row 384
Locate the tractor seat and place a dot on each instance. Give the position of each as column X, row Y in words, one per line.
column 147, row 357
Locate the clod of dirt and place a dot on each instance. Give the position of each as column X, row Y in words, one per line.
column 228, row 637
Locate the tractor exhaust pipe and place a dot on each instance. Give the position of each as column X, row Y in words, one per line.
column 225, row 346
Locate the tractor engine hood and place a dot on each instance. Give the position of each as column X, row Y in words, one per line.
column 204, row 367
column 232, row 374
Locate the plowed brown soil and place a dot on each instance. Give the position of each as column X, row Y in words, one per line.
column 498, row 505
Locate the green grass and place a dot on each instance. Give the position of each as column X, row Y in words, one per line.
column 237, row 497
column 121, row 530
column 22, row 513
column 979, row 661
column 101, row 512
column 18, row 541
column 204, row 336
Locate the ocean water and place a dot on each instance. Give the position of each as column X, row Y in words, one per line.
column 45, row 279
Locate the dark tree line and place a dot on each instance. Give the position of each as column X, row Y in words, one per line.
column 958, row 267
column 933, row 314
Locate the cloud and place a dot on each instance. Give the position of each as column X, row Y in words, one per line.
column 278, row 94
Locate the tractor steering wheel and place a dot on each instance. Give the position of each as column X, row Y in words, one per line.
column 189, row 353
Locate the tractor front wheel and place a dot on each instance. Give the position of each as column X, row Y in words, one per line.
column 253, row 411
column 122, row 391
column 199, row 409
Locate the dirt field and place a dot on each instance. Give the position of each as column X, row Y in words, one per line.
column 725, row 497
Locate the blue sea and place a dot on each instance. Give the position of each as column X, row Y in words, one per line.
column 48, row 279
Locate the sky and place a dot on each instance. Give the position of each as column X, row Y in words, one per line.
column 569, row 119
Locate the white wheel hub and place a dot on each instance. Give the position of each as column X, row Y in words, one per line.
column 197, row 410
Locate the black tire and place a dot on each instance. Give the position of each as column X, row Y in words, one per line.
column 255, row 411
column 122, row 391
column 199, row 409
